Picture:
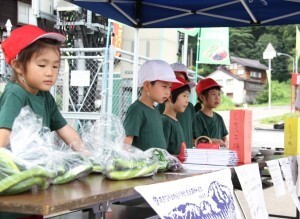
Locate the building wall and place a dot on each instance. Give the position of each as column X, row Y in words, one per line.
column 155, row 43
column 231, row 86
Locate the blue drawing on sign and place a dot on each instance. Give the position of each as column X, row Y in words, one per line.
column 218, row 204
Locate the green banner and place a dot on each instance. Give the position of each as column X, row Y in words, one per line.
column 214, row 46
column 189, row 31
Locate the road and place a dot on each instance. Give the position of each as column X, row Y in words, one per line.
column 263, row 135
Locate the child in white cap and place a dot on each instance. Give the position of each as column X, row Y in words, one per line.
column 34, row 56
column 185, row 118
column 143, row 124
column 176, row 103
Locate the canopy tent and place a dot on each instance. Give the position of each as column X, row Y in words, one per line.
column 192, row 13
column 196, row 13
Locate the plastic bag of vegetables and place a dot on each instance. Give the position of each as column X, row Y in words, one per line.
column 128, row 162
column 34, row 144
column 104, row 134
column 104, row 137
column 167, row 162
column 15, row 178
column 69, row 165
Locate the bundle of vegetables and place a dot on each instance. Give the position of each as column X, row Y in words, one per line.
column 128, row 163
column 15, row 179
column 167, row 162
column 34, row 144
column 69, row 165
column 105, row 132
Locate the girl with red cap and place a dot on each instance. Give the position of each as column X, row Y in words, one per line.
column 34, row 56
column 207, row 122
column 185, row 118
column 176, row 103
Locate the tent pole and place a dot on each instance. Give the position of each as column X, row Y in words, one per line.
column 197, row 60
column 105, row 70
column 135, row 65
column 185, row 49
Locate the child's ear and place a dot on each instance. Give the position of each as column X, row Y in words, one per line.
column 146, row 85
column 17, row 67
column 201, row 97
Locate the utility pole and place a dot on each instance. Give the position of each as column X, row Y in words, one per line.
column 269, row 54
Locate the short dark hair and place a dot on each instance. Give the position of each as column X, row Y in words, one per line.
column 175, row 93
column 35, row 48
column 205, row 92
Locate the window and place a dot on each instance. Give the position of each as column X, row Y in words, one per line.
column 220, row 82
column 229, row 81
column 240, row 72
column 254, row 74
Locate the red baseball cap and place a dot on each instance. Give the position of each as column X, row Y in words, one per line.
column 177, row 85
column 22, row 37
column 205, row 84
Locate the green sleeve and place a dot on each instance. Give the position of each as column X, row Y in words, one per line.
column 198, row 126
column 132, row 123
column 57, row 121
column 10, row 109
column 167, row 130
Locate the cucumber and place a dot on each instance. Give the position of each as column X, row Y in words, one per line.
column 73, row 173
column 6, row 159
column 133, row 173
column 26, row 185
column 121, row 164
column 19, row 177
column 97, row 169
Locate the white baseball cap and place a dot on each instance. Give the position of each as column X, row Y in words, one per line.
column 179, row 67
column 153, row 70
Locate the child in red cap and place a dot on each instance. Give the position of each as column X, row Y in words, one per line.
column 207, row 122
column 176, row 103
column 185, row 118
column 34, row 56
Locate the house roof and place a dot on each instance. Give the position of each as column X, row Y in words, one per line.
column 224, row 70
column 248, row 63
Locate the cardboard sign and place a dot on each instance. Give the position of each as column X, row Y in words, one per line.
column 240, row 134
column 204, row 196
column 292, row 136
column 252, row 189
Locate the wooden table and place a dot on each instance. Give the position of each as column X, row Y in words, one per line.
column 90, row 192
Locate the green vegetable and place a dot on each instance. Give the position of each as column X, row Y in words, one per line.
column 132, row 173
column 121, row 164
column 73, row 173
column 97, row 169
column 19, row 177
column 7, row 159
column 25, row 185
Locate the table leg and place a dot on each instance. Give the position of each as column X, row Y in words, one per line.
column 98, row 211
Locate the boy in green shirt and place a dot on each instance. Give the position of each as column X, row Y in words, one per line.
column 143, row 124
column 207, row 122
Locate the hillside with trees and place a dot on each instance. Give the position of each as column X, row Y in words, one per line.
column 250, row 42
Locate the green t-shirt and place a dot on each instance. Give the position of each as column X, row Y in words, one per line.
column 145, row 124
column 173, row 134
column 213, row 127
column 15, row 97
column 186, row 120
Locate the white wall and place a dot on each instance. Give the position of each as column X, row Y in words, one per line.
column 162, row 43
column 237, row 87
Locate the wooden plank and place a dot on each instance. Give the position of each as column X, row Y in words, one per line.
column 80, row 194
